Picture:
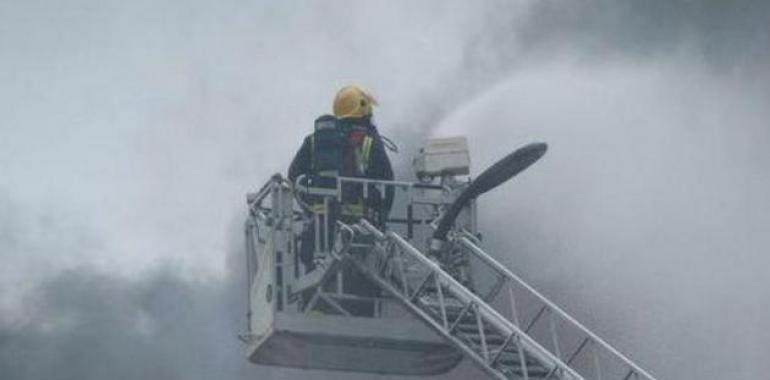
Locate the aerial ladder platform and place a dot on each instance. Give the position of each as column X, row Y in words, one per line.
column 413, row 295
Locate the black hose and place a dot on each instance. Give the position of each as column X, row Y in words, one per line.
column 494, row 176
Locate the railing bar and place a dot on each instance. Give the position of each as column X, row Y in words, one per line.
column 440, row 293
column 254, row 199
column 514, row 312
column 325, row 228
column 317, row 227
column 554, row 336
column 334, row 304
column 249, row 231
column 522, row 358
column 549, row 375
column 392, row 183
column 400, row 265
column 502, row 348
column 293, row 243
column 420, row 287
column 553, row 371
column 338, row 190
column 340, row 285
column 495, row 288
column 313, row 301
column 279, row 197
column 597, row 365
column 575, row 354
column 482, row 336
column 460, row 316
column 409, row 221
column 537, row 316
column 279, row 304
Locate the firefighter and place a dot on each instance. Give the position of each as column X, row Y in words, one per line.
column 343, row 144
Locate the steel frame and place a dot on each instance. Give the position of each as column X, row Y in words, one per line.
column 503, row 347
column 446, row 306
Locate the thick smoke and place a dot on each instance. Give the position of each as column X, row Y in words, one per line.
column 133, row 130
column 648, row 217
column 84, row 324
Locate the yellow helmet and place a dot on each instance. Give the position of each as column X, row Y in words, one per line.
column 353, row 101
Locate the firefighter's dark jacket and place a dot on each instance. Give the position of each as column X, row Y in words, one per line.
column 379, row 164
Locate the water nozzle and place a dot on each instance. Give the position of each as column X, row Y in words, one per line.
column 494, row 176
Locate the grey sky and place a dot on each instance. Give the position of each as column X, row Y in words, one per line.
column 130, row 132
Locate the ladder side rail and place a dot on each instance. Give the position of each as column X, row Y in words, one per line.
column 424, row 316
column 249, row 227
column 464, row 295
column 476, row 250
column 404, row 293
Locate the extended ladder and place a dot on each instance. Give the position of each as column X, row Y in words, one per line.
column 544, row 344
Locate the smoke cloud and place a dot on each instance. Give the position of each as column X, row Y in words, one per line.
column 648, row 217
column 131, row 132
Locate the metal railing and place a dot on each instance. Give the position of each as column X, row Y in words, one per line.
column 503, row 347
column 601, row 353
column 527, row 337
column 445, row 305
column 278, row 212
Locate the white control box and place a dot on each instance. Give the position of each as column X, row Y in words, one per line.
column 443, row 156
